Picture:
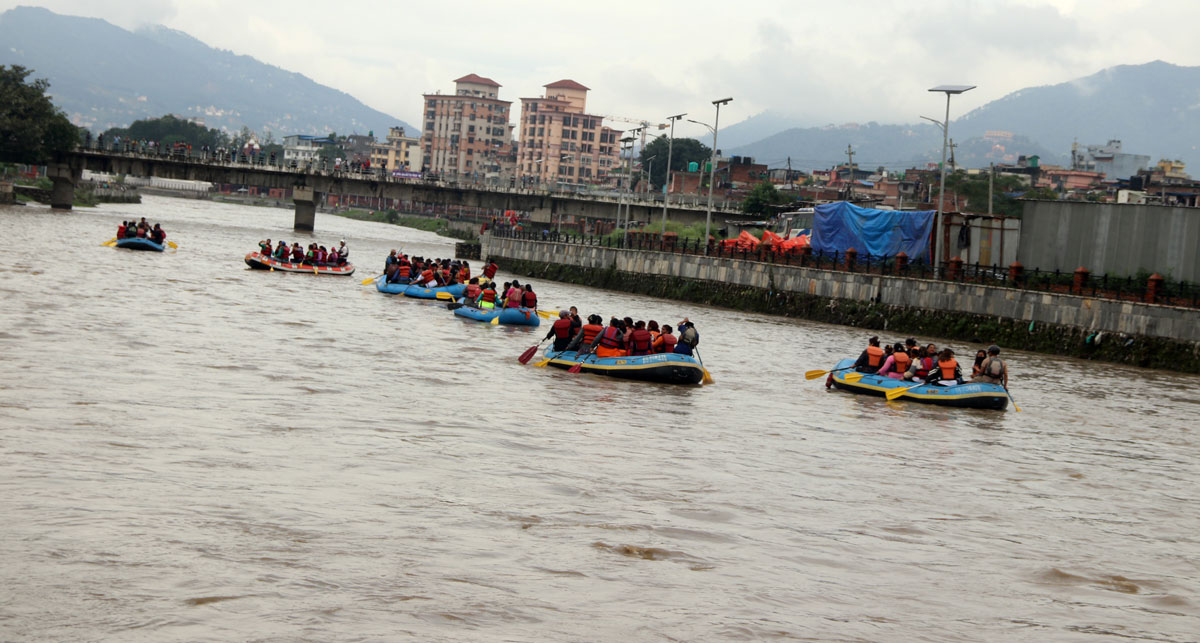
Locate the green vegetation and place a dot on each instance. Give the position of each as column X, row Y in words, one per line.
column 762, row 199
column 32, row 129
column 168, row 130
column 684, row 232
column 975, row 189
column 683, row 151
column 440, row 226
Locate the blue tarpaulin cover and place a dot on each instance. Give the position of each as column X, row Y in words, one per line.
column 840, row 226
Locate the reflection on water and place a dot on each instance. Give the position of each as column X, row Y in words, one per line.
column 196, row 451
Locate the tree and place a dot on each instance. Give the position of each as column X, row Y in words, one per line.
column 683, row 151
column 975, row 189
column 168, row 130
column 761, row 198
column 32, row 129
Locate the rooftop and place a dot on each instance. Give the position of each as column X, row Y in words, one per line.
column 477, row 79
column 567, row 84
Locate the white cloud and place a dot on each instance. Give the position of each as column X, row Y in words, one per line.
column 869, row 60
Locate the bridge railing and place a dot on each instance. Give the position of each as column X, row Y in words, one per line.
column 1141, row 288
column 269, row 162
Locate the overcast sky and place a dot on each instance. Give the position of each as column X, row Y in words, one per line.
column 825, row 62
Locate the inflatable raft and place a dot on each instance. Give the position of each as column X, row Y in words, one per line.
column 139, row 243
column 520, row 317
column 972, row 395
column 259, row 261
column 420, row 292
column 667, row 368
column 478, row 314
column 395, row 288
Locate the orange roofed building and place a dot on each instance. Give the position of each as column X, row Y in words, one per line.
column 561, row 144
column 467, row 134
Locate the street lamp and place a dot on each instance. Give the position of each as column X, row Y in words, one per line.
column 667, row 181
column 712, row 169
column 948, row 90
column 649, row 170
column 628, row 142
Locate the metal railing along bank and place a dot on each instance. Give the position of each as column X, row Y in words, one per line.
column 1153, row 289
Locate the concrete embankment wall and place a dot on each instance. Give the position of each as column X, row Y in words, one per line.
column 1127, row 332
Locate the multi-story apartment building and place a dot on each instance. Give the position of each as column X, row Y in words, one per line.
column 397, row 152
column 302, row 148
column 561, row 144
column 467, row 134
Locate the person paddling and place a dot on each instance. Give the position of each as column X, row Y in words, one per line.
column 560, row 330
column 689, row 337
column 993, row 370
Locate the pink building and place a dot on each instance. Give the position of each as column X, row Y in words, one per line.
column 467, row 134
column 561, row 144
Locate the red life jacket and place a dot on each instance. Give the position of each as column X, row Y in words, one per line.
column 426, row 277
column 120, row 232
column 529, row 299
column 405, row 270
column 562, row 328
column 590, row 331
column 902, row 361
column 142, row 232
column 472, row 291
column 924, row 365
column 488, row 295
column 948, row 368
column 874, row 356
column 640, row 341
column 490, row 270
column 297, row 255
column 611, row 337
column 320, row 256
column 668, row 343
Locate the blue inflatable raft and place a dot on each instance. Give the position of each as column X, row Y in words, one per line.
column 520, row 317
column 478, row 314
column 667, row 368
column 396, row 288
column 139, row 243
column 971, row 395
column 420, row 292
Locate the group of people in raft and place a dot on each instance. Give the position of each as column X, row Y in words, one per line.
column 315, row 255
column 621, row 337
column 908, row 361
column 434, row 273
column 141, row 229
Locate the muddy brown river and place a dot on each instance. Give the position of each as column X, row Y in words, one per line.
column 194, row 451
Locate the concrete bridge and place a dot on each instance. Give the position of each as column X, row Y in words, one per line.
column 308, row 186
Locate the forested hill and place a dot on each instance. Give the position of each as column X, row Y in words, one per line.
column 104, row 76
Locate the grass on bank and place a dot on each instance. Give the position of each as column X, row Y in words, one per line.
column 686, row 233
column 440, row 226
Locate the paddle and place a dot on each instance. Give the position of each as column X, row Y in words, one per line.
column 812, row 375
column 578, row 366
column 1010, row 397
column 530, row 352
column 547, row 314
column 369, row 280
column 454, row 306
column 110, row 242
column 173, row 245
column 443, row 295
column 496, row 320
column 707, row 379
column 897, row 392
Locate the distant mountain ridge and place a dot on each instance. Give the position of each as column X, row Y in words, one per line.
column 1153, row 109
column 104, row 76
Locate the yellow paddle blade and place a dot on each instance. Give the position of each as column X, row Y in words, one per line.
column 496, row 320
column 315, row 272
column 444, row 295
column 708, row 378
column 1016, row 407
column 812, row 375
column 272, row 268
column 368, row 280
column 548, row 314
column 897, row 392
column 110, row 242
column 852, row 377
column 173, row 245
column 543, row 363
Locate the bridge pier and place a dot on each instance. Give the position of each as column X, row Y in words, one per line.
column 306, row 209
column 62, row 193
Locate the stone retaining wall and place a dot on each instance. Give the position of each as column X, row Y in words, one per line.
column 1142, row 334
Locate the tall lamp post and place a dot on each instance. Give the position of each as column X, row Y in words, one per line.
column 937, row 229
column 667, row 181
column 626, row 145
column 712, row 170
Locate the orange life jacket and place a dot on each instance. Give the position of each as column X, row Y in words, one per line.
column 902, row 361
column 426, row 277
column 590, row 331
column 874, row 356
column 405, row 270
column 948, row 367
column 488, row 295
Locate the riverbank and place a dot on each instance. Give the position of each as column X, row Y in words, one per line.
column 1115, row 331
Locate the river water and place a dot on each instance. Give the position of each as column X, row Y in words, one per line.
column 194, row 451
